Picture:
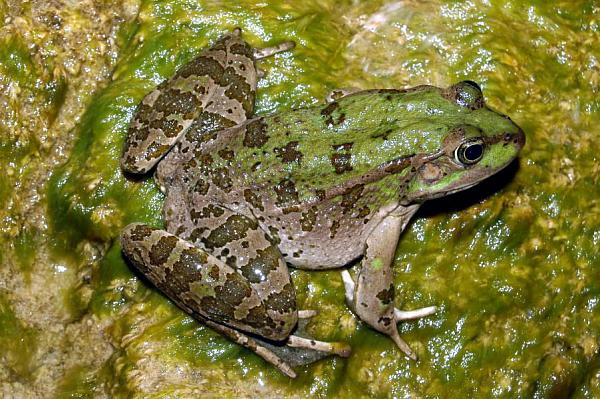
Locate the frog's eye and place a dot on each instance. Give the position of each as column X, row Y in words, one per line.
column 469, row 152
column 466, row 94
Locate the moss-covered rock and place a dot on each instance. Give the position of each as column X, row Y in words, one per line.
column 514, row 264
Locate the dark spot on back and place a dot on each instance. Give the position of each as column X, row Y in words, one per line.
column 256, row 133
column 328, row 114
column 289, row 153
column 253, row 199
column 242, row 49
column 201, row 187
column 286, row 192
column 350, row 198
column 161, row 250
column 308, row 219
column 386, row 296
column 335, row 225
column 283, row 301
column 234, row 228
column 139, row 232
column 341, row 163
column 341, row 158
column 221, row 179
column 258, row 268
column 273, row 237
column 205, row 127
column 226, row 154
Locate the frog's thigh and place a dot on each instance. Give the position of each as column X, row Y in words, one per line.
column 207, row 287
column 239, row 241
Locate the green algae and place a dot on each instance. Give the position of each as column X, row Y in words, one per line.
column 17, row 342
column 514, row 264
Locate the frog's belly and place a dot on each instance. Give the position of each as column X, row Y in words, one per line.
column 321, row 254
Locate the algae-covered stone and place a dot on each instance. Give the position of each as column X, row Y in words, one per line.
column 514, row 264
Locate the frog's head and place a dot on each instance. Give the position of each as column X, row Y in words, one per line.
column 481, row 143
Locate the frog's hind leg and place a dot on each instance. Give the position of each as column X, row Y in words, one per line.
column 213, row 91
column 208, row 289
column 197, row 280
column 234, row 276
column 254, row 345
column 238, row 241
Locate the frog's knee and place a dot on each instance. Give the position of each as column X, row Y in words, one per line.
column 280, row 314
column 281, row 326
column 133, row 236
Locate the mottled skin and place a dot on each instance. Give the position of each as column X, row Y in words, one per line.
column 316, row 188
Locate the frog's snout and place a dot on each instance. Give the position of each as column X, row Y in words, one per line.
column 516, row 139
column 520, row 138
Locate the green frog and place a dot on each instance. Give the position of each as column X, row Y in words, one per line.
column 322, row 187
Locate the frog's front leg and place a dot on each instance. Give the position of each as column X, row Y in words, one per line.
column 372, row 297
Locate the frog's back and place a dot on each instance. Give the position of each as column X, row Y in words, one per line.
column 342, row 143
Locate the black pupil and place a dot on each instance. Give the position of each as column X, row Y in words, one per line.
column 473, row 152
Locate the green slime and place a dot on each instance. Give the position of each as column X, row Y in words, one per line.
column 513, row 265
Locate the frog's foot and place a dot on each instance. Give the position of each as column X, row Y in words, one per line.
column 398, row 315
column 295, row 351
column 260, row 53
column 255, row 345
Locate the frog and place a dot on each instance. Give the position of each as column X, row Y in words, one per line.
column 328, row 186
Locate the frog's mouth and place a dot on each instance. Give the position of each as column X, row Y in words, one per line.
column 445, row 193
column 461, row 188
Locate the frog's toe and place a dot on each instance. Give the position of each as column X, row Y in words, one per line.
column 341, row 349
column 402, row 345
column 260, row 53
column 307, row 313
column 400, row 315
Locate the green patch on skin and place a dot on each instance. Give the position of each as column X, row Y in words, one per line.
column 376, row 263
